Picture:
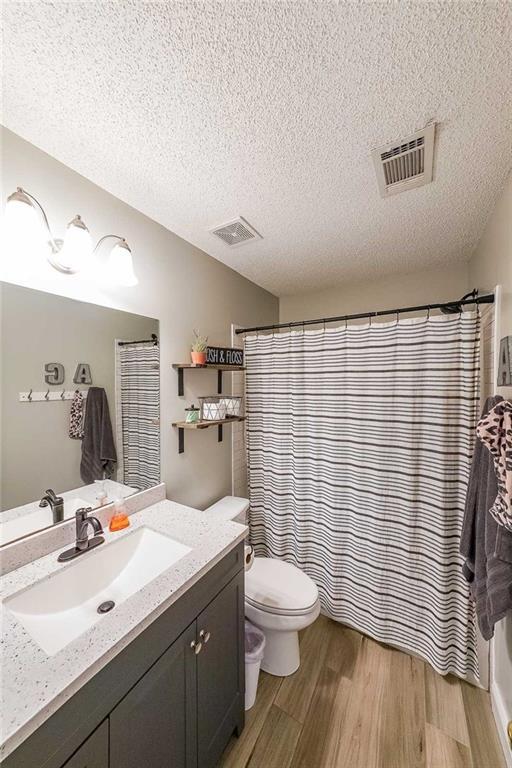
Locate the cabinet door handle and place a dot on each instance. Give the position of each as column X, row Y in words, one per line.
column 204, row 635
column 196, row 647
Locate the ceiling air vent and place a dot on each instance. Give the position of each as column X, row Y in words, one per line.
column 236, row 232
column 405, row 164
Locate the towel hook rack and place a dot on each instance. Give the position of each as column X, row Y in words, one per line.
column 49, row 396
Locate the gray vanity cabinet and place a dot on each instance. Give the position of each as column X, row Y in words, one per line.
column 170, row 699
column 155, row 724
column 220, row 685
column 94, row 753
column 181, row 714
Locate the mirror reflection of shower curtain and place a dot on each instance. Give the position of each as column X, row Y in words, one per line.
column 359, row 447
column 138, row 414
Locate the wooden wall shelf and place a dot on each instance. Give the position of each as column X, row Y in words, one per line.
column 203, row 424
column 180, row 367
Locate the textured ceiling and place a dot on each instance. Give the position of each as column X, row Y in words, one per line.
column 196, row 113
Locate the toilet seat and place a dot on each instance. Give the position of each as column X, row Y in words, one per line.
column 278, row 611
column 279, row 588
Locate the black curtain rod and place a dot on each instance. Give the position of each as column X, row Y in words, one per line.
column 453, row 307
column 153, row 339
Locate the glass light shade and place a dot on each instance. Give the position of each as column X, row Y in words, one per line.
column 120, row 265
column 23, row 238
column 20, row 213
column 76, row 248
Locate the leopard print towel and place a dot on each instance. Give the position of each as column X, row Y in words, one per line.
column 76, row 416
column 495, row 431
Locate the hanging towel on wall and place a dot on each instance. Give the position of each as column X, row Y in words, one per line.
column 495, row 431
column 76, row 417
column 486, row 546
column 98, row 450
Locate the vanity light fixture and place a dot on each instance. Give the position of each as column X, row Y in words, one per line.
column 71, row 254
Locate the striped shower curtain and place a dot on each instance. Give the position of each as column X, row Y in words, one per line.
column 138, row 406
column 359, row 448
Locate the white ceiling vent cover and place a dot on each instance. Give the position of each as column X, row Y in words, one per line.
column 405, row 164
column 236, row 232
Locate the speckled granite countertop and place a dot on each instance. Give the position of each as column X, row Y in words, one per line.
column 35, row 685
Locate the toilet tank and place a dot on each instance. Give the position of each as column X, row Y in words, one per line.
column 230, row 508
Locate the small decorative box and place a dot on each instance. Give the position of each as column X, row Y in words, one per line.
column 233, row 405
column 212, row 408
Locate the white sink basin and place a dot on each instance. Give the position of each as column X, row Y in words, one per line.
column 59, row 609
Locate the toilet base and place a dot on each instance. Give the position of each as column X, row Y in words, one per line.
column 282, row 655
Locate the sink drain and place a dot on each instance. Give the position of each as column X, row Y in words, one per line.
column 106, row 606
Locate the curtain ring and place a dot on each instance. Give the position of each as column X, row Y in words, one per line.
column 370, row 320
column 428, row 314
column 303, row 328
column 346, row 323
column 397, row 318
column 324, row 324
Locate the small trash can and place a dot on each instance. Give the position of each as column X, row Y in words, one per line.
column 254, row 647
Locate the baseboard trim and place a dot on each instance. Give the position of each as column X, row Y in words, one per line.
column 501, row 719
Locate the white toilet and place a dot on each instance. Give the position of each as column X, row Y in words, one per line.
column 280, row 599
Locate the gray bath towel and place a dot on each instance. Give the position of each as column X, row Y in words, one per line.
column 98, row 449
column 486, row 546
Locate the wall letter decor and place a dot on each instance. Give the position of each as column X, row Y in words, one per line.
column 82, row 374
column 505, row 362
column 54, row 373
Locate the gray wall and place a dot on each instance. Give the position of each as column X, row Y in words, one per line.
column 179, row 284
column 400, row 290
column 38, row 328
column 492, row 264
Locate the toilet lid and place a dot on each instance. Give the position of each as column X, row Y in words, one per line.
column 278, row 587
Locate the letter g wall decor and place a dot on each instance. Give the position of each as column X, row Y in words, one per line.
column 54, row 373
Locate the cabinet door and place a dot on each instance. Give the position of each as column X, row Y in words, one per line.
column 220, row 672
column 154, row 726
column 94, row 752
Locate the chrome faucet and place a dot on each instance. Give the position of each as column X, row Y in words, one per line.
column 56, row 504
column 83, row 542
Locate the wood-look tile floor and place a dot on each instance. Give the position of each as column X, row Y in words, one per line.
column 355, row 703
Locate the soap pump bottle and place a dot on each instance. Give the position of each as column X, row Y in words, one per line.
column 120, row 517
column 101, row 494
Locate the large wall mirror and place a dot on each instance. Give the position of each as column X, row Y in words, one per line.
column 80, row 408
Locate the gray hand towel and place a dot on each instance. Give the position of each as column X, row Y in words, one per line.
column 98, row 449
column 486, row 546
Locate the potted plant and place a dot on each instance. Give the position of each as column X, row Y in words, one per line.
column 198, row 351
